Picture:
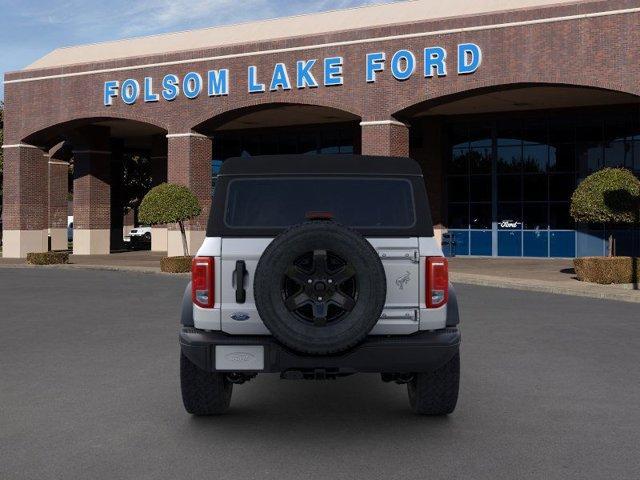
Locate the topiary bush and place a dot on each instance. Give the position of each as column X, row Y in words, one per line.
column 170, row 203
column 48, row 258
column 606, row 270
column 610, row 195
column 176, row 264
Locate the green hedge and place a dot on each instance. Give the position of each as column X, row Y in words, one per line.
column 176, row 264
column 48, row 258
column 607, row 270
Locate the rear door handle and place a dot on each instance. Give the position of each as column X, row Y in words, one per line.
column 241, row 271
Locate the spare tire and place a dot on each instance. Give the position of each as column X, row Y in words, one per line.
column 320, row 287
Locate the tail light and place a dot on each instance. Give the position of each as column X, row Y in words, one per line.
column 202, row 282
column 437, row 282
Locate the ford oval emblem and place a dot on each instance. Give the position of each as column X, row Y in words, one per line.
column 240, row 316
column 239, row 357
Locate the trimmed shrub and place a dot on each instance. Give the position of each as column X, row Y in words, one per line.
column 607, row 270
column 176, row 264
column 610, row 195
column 170, row 203
column 48, row 258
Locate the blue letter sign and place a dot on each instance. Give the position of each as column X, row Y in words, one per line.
column 402, row 66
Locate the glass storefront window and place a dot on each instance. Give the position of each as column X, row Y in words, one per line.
column 535, row 158
column 480, row 188
column 301, row 140
column 480, row 159
column 480, row 218
column 618, row 154
column 535, row 216
column 535, row 187
column 559, row 217
column 509, row 215
column 589, row 157
column 561, row 186
column 534, row 161
column 562, row 157
column 458, row 215
column 458, row 189
column 510, row 159
column 509, row 188
column 460, row 161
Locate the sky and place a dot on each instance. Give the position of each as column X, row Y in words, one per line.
column 30, row 29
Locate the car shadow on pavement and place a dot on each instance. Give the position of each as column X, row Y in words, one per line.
column 355, row 404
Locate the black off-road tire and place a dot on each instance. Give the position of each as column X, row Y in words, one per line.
column 203, row 393
column 354, row 325
column 436, row 393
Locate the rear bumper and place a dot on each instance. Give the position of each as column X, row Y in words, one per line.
column 420, row 352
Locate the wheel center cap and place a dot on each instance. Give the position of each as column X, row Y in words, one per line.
column 319, row 286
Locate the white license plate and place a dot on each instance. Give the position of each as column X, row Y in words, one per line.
column 241, row 357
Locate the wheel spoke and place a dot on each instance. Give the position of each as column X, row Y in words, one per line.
column 319, row 262
column 320, row 314
column 296, row 301
column 296, row 274
column 342, row 275
column 343, row 301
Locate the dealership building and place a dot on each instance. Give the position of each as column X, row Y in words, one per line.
column 506, row 105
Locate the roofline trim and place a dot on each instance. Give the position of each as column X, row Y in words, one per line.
column 20, row 145
column 189, row 134
column 330, row 44
column 382, row 122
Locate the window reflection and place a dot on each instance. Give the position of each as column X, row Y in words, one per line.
column 324, row 140
column 536, row 163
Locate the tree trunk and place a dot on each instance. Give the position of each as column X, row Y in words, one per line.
column 185, row 247
column 611, row 245
column 635, row 254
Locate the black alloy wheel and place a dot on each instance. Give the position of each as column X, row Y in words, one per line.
column 320, row 288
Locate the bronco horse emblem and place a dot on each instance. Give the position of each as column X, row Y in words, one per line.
column 403, row 280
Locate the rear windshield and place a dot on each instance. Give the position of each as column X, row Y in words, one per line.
column 283, row 201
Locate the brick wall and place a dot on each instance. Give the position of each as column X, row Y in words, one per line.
column 589, row 52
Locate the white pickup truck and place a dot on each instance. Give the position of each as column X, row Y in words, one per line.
column 320, row 267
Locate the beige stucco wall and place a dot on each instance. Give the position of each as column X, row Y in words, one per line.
column 17, row 243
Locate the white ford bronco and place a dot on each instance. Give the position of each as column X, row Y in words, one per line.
column 318, row 267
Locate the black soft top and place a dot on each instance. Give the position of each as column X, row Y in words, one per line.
column 336, row 164
column 278, row 166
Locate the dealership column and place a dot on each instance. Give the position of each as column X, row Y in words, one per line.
column 58, row 190
column 189, row 164
column 24, row 201
column 385, row 137
column 92, row 192
column 158, row 175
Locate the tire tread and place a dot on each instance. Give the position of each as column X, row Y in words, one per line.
column 436, row 393
column 203, row 393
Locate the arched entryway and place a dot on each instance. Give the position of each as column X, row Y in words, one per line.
column 501, row 164
column 103, row 166
column 282, row 129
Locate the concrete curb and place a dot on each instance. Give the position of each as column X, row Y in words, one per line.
column 605, row 292
column 113, row 268
column 579, row 289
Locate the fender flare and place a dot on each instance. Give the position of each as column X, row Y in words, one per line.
column 186, row 316
column 453, row 313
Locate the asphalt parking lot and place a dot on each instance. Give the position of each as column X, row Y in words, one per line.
column 89, row 389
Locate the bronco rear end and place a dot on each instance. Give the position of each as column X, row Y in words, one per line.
column 320, row 267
